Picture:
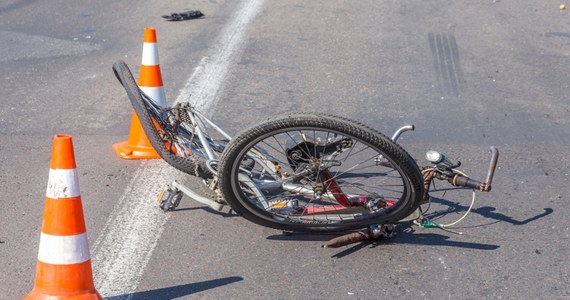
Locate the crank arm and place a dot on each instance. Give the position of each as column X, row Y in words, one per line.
column 188, row 192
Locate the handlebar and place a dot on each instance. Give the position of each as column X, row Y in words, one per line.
column 485, row 185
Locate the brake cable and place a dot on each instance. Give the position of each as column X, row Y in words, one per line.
column 429, row 175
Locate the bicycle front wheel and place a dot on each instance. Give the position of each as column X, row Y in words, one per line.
column 312, row 172
column 149, row 120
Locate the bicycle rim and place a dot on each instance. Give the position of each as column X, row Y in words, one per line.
column 318, row 173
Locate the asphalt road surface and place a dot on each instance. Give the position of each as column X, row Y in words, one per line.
column 468, row 74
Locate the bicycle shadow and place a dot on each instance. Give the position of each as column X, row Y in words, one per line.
column 488, row 212
column 420, row 239
column 178, row 291
column 305, row 236
column 228, row 213
column 404, row 235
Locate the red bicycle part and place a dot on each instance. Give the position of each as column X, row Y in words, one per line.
column 337, row 192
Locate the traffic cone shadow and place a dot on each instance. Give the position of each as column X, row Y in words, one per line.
column 150, row 82
column 63, row 268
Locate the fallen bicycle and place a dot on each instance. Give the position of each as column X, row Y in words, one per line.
column 300, row 172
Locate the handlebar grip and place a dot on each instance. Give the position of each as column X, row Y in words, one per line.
column 485, row 185
column 491, row 172
column 466, row 182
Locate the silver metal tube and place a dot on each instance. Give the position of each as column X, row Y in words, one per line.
column 301, row 190
column 188, row 192
column 401, row 130
column 218, row 129
column 492, row 165
column 245, row 180
column 202, row 137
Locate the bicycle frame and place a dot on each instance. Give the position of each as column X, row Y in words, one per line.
column 197, row 119
column 197, row 137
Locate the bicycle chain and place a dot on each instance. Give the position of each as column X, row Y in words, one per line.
column 210, row 192
column 180, row 113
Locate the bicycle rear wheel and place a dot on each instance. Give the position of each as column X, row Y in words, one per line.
column 312, row 172
column 149, row 119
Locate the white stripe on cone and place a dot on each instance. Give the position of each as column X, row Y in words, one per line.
column 62, row 183
column 155, row 93
column 150, row 54
column 63, row 250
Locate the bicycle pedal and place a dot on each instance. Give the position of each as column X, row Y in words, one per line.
column 386, row 231
column 169, row 199
column 160, row 196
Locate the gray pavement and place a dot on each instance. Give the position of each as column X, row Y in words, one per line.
column 467, row 74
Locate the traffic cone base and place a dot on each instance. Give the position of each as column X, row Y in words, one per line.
column 137, row 146
column 87, row 295
column 50, row 277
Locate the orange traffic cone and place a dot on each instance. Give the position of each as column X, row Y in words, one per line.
column 150, row 82
column 64, row 263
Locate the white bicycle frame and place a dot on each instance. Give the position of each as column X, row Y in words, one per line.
column 198, row 128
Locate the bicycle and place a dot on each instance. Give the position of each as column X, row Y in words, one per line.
column 304, row 172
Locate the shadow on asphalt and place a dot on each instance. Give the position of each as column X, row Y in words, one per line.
column 305, row 236
column 420, row 239
column 488, row 212
column 179, row 290
column 485, row 211
column 226, row 214
column 404, row 235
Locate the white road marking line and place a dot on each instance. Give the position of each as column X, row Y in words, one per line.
column 133, row 229
column 205, row 83
column 131, row 233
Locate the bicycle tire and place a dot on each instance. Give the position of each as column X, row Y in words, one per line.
column 124, row 75
column 372, row 143
column 409, row 158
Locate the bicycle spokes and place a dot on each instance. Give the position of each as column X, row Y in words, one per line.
column 321, row 175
